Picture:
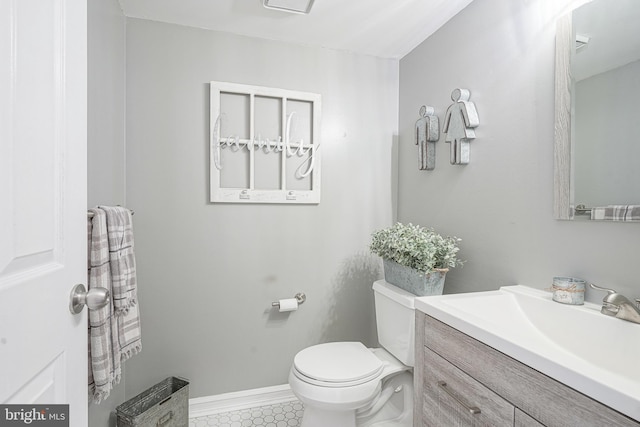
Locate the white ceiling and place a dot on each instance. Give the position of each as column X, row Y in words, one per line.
column 384, row 28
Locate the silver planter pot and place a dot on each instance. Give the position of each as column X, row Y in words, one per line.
column 414, row 281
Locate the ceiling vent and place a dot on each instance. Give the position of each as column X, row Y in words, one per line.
column 293, row 6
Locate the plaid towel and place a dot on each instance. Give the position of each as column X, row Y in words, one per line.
column 129, row 335
column 113, row 336
column 616, row 213
column 104, row 351
column 121, row 258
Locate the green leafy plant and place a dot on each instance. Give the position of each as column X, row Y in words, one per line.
column 417, row 247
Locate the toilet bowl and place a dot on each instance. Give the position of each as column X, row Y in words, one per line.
column 346, row 384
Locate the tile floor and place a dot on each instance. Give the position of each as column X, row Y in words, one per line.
column 287, row 414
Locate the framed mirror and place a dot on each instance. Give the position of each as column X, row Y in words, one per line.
column 597, row 104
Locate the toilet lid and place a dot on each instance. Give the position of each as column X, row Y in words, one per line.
column 338, row 362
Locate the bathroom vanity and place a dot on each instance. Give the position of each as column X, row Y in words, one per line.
column 469, row 368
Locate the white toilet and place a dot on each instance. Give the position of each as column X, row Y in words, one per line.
column 345, row 384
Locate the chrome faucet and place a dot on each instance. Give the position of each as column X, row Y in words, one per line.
column 619, row 306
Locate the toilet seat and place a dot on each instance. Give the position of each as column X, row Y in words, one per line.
column 344, row 396
column 337, row 364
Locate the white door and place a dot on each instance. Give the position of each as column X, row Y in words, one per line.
column 43, row 78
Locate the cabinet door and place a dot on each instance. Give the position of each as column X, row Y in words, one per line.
column 454, row 399
column 524, row 420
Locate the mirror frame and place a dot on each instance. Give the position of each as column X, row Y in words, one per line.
column 562, row 175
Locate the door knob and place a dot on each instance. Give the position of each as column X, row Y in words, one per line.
column 95, row 298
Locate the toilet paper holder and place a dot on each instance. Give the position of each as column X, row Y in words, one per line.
column 300, row 297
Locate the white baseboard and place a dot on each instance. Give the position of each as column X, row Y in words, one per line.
column 209, row 405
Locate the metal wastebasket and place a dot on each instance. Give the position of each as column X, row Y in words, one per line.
column 166, row 404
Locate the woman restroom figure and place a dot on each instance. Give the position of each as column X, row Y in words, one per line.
column 459, row 121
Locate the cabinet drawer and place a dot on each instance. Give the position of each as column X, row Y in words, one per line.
column 453, row 398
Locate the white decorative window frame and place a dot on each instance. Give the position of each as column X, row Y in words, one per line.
column 310, row 167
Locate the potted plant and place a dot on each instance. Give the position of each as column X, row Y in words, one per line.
column 415, row 258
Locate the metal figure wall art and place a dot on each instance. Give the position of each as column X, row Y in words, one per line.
column 459, row 124
column 427, row 133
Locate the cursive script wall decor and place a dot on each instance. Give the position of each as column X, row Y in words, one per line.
column 264, row 145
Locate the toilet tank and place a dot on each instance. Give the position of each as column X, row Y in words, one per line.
column 395, row 320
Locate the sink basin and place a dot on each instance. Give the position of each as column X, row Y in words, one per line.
column 577, row 345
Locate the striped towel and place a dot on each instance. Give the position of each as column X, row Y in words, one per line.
column 104, row 351
column 121, row 258
column 616, row 213
column 114, row 335
column 123, row 278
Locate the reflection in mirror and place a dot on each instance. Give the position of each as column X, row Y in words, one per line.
column 597, row 151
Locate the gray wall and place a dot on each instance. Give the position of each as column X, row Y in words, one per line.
column 106, row 100
column 607, row 150
column 106, row 134
column 501, row 203
column 208, row 272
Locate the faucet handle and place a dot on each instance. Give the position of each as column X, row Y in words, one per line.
column 610, row 291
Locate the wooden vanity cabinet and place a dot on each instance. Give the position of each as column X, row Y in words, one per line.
column 456, row 375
